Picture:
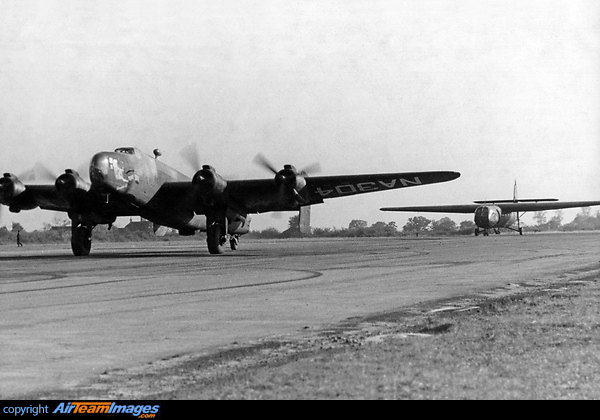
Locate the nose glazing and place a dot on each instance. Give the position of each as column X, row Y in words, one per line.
column 99, row 168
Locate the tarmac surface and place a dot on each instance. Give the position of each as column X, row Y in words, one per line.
column 64, row 320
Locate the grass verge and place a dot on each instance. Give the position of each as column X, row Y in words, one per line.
column 542, row 343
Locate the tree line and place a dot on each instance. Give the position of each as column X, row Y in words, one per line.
column 420, row 225
column 60, row 232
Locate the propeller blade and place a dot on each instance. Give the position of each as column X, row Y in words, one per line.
column 39, row 172
column 311, row 169
column 84, row 171
column 191, row 156
column 262, row 161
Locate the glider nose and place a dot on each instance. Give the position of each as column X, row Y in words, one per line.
column 99, row 168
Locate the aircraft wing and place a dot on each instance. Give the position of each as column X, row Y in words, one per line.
column 452, row 208
column 46, row 197
column 257, row 196
column 506, row 207
column 557, row 205
column 43, row 196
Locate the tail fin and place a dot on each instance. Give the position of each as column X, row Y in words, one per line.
column 516, row 199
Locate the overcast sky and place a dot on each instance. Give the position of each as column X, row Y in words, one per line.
column 496, row 90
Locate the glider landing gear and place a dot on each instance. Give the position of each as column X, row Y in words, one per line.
column 496, row 231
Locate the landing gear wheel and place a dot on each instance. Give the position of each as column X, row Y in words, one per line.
column 215, row 239
column 233, row 242
column 477, row 232
column 520, row 231
column 81, row 241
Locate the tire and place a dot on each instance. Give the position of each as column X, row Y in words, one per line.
column 81, row 241
column 214, row 239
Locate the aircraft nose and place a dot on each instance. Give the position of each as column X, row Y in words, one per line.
column 99, row 168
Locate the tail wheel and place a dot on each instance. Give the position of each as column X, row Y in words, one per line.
column 215, row 239
column 81, row 241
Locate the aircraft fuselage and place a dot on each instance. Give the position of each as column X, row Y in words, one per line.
column 131, row 173
column 489, row 217
column 135, row 178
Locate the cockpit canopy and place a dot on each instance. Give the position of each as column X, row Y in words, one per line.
column 126, row 150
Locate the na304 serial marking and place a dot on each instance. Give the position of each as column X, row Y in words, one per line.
column 363, row 187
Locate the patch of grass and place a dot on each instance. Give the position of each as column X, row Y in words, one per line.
column 539, row 344
column 533, row 346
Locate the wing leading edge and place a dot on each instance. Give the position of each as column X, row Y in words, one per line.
column 506, row 207
column 262, row 195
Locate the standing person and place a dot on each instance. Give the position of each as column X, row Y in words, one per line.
column 19, row 243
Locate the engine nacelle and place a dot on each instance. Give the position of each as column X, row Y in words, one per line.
column 10, row 188
column 70, row 183
column 289, row 178
column 487, row 217
column 209, row 181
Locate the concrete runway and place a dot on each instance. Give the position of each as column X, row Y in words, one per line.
column 66, row 320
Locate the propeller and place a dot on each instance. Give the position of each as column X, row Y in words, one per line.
column 289, row 180
column 84, row 171
column 313, row 168
column 264, row 162
column 191, row 156
column 39, row 172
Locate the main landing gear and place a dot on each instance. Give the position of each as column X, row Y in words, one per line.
column 216, row 238
column 234, row 242
column 82, row 226
column 81, row 240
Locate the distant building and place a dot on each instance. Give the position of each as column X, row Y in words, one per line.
column 141, row 226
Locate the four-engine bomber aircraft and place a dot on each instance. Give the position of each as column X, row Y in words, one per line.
column 128, row 182
column 496, row 214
